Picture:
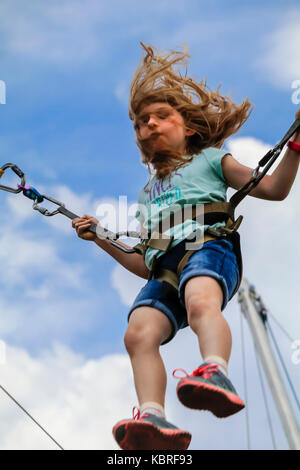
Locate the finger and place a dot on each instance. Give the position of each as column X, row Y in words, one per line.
column 83, row 227
column 75, row 221
column 83, row 222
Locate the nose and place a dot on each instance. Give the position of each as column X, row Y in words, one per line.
column 152, row 122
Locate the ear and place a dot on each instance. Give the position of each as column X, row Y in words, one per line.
column 189, row 132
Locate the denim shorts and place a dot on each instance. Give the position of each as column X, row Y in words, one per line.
column 215, row 259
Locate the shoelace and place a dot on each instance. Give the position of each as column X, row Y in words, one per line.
column 205, row 371
column 136, row 413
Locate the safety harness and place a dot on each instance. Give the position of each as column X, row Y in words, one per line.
column 213, row 212
column 157, row 239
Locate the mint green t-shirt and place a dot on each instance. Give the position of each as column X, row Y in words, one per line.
column 199, row 182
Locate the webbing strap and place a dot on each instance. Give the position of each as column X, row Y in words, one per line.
column 168, row 276
column 213, row 213
column 159, row 242
column 140, row 248
column 228, row 229
column 185, row 258
column 183, row 262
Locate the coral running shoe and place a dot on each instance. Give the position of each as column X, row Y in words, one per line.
column 207, row 388
column 149, row 432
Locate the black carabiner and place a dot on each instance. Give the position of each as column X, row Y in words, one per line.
column 18, row 172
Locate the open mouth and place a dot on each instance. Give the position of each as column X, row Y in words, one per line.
column 155, row 136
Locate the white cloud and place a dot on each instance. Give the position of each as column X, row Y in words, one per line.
column 34, row 267
column 126, row 284
column 248, row 151
column 23, row 256
column 32, row 270
column 21, row 208
column 76, row 203
column 76, row 400
column 280, row 59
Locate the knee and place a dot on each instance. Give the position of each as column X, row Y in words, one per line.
column 200, row 306
column 141, row 338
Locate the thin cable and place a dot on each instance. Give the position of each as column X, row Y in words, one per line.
column 283, row 366
column 23, row 409
column 281, row 327
column 265, row 400
column 245, row 385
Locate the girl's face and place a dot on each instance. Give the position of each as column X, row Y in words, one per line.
column 163, row 125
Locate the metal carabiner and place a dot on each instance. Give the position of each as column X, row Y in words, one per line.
column 45, row 211
column 18, row 172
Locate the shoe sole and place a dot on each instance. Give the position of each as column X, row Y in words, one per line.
column 201, row 396
column 137, row 435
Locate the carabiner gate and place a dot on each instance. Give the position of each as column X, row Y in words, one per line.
column 18, row 172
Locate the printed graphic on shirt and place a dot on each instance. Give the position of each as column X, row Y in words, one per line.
column 164, row 192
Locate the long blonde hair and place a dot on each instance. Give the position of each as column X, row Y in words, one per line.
column 212, row 116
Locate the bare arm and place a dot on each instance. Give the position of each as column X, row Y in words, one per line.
column 285, row 174
column 237, row 175
column 134, row 262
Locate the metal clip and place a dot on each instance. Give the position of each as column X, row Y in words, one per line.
column 45, row 211
column 18, row 172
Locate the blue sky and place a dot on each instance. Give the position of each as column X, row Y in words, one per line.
column 67, row 67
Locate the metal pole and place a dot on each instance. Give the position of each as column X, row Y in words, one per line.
column 275, row 381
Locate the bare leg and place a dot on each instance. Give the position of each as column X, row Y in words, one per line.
column 204, row 297
column 147, row 329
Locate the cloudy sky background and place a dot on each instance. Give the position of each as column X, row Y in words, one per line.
column 67, row 66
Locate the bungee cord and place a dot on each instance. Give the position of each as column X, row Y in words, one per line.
column 31, row 417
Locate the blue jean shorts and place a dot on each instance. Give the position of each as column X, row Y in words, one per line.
column 215, row 259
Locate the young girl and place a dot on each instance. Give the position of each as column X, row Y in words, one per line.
column 180, row 128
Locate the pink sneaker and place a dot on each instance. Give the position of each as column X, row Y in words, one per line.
column 207, row 388
column 150, row 432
